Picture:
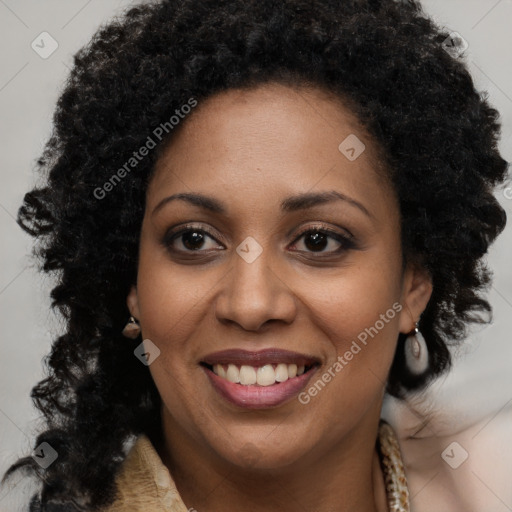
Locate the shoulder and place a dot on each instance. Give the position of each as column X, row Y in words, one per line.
column 144, row 483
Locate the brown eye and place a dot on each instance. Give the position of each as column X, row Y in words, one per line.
column 317, row 240
column 193, row 240
column 189, row 239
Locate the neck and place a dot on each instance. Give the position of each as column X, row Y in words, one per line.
column 342, row 478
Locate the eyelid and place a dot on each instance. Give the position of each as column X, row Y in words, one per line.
column 326, row 229
column 347, row 241
column 175, row 233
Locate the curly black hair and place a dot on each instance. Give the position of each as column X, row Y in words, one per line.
column 386, row 59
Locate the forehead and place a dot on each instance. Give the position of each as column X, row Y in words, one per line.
column 269, row 139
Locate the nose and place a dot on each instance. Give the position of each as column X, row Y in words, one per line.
column 253, row 294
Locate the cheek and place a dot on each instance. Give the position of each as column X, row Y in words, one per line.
column 169, row 297
column 170, row 301
column 358, row 312
column 347, row 302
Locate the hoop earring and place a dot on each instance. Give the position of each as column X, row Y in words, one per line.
column 131, row 329
column 416, row 352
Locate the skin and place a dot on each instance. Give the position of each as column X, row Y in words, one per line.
column 251, row 149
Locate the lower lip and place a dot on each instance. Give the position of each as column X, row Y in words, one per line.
column 259, row 397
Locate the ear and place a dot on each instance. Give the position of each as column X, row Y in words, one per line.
column 132, row 301
column 416, row 292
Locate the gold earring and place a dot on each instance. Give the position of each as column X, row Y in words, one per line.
column 131, row 329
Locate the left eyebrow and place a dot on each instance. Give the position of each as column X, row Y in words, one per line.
column 290, row 204
column 310, row 199
column 208, row 203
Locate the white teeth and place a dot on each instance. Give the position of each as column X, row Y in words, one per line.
column 263, row 376
column 247, row 375
column 219, row 370
column 266, row 375
column 281, row 372
column 233, row 373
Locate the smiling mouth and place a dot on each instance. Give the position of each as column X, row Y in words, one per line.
column 265, row 375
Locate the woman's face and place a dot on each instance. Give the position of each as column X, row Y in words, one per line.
column 262, row 266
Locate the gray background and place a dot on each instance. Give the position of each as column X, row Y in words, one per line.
column 481, row 383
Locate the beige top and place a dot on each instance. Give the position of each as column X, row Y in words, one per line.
column 145, row 484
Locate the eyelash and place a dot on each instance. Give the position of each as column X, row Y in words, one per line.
column 346, row 241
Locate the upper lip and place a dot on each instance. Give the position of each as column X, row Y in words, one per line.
column 259, row 358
